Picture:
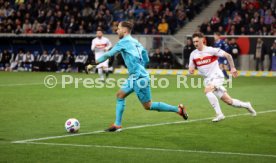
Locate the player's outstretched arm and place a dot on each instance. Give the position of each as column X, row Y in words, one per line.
column 231, row 63
column 93, row 65
column 115, row 50
column 102, row 58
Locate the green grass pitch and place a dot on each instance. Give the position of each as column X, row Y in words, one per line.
column 29, row 110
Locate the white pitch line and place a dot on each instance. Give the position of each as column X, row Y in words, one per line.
column 133, row 127
column 156, row 149
column 25, row 84
column 19, row 84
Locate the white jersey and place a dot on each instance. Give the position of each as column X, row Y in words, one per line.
column 100, row 45
column 206, row 61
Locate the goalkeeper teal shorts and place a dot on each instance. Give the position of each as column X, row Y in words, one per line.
column 140, row 86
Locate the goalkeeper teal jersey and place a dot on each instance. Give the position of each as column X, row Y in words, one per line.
column 134, row 54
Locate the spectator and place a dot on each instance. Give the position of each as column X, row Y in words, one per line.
column 234, row 51
column 181, row 18
column 71, row 13
column 147, row 5
column 215, row 22
column 232, row 30
column 114, row 26
column 18, row 30
column 167, row 61
column 221, row 30
column 49, row 28
column 146, row 31
column 72, row 26
column 157, row 58
column 67, row 62
column 163, row 27
column 187, row 50
column 87, row 11
column 172, row 22
column 204, row 25
column 252, row 31
column 269, row 18
column 209, row 30
column 5, row 59
column 243, row 31
column 9, row 29
column 179, row 6
column 272, row 53
column 27, row 27
column 108, row 17
column 44, row 61
column 273, row 31
column 244, row 17
column 190, row 10
column 28, row 61
column 17, row 64
column 259, row 54
column 35, row 26
column 36, row 63
column 59, row 29
column 55, row 61
column 81, row 30
column 80, row 61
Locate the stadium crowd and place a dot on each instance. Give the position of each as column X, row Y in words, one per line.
column 240, row 17
column 57, row 61
column 46, row 61
column 243, row 17
column 84, row 16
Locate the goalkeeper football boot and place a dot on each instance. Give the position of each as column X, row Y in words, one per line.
column 114, row 128
column 183, row 111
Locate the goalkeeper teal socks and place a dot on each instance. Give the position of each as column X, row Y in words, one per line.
column 163, row 107
column 120, row 107
column 158, row 106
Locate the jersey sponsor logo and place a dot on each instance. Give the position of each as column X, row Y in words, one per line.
column 101, row 46
column 204, row 60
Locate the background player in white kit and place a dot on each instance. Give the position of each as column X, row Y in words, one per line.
column 100, row 45
column 205, row 58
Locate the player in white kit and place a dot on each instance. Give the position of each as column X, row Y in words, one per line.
column 100, row 45
column 205, row 59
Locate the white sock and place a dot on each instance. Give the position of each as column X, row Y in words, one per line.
column 214, row 102
column 100, row 72
column 239, row 104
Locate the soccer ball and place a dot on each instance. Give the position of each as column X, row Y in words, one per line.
column 72, row 125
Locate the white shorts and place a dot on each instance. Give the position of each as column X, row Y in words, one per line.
column 103, row 64
column 218, row 84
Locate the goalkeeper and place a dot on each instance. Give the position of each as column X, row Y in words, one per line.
column 136, row 58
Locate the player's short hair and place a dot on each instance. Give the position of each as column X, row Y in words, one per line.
column 127, row 24
column 99, row 29
column 198, row 34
